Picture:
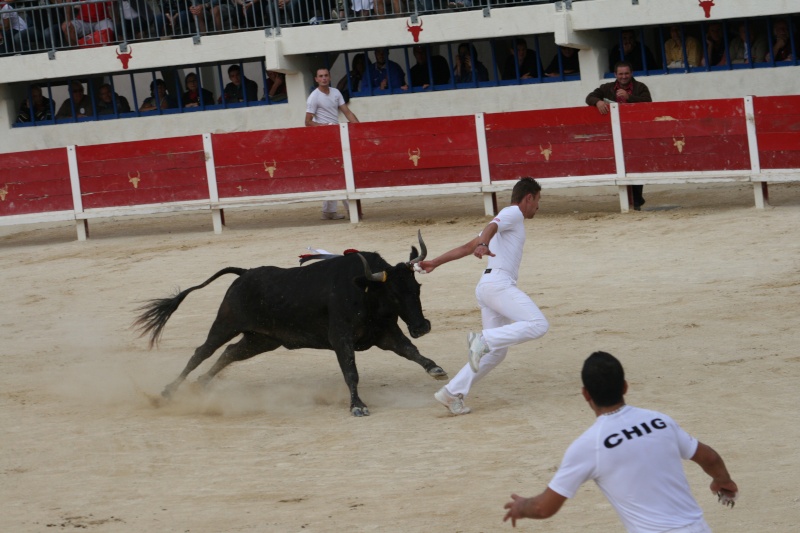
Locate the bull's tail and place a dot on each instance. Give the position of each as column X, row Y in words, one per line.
column 156, row 312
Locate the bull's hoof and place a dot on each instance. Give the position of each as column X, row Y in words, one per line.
column 166, row 393
column 359, row 411
column 437, row 373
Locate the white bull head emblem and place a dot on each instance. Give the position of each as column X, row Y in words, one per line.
column 271, row 169
column 546, row 152
column 415, row 155
column 3, row 193
column 679, row 143
column 135, row 180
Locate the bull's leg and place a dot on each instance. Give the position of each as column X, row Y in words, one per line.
column 347, row 362
column 249, row 346
column 217, row 336
column 396, row 342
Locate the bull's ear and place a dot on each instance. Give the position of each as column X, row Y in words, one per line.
column 414, row 253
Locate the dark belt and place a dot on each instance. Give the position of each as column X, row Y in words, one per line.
column 487, row 271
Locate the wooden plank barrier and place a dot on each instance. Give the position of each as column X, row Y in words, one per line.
column 755, row 139
column 35, row 187
column 414, row 157
column 278, row 166
column 700, row 139
column 565, row 145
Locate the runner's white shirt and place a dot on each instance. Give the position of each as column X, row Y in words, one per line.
column 509, row 241
column 634, row 456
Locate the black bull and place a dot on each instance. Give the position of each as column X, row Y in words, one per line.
column 337, row 304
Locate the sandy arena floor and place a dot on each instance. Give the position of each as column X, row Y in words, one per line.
column 698, row 295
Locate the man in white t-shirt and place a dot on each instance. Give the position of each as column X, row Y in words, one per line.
column 635, row 457
column 322, row 108
column 509, row 315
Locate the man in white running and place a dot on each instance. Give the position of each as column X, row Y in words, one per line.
column 635, row 457
column 322, row 109
column 509, row 316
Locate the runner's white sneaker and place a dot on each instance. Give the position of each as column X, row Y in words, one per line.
column 477, row 349
column 453, row 402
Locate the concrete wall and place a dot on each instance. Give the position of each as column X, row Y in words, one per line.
column 292, row 52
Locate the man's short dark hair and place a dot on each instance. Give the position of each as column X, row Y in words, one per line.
column 603, row 378
column 234, row 68
column 622, row 64
column 524, row 187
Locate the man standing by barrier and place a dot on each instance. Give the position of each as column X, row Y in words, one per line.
column 625, row 90
column 634, row 455
column 322, row 108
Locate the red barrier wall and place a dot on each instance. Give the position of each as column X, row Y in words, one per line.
column 579, row 142
column 685, row 136
column 143, row 172
column 778, row 131
column 35, row 182
column 284, row 161
column 445, row 149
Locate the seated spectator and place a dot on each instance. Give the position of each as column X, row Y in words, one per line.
column 236, row 91
column 78, row 100
column 463, row 71
column 358, row 69
column 527, row 60
column 14, row 37
column 363, row 8
column 195, row 95
column 137, row 20
column 569, row 63
column 421, row 74
column 385, row 73
column 276, row 86
column 781, row 42
column 632, row 53
column 90, row 18
column 715, row 46
column 748, row 46
column 158, row 99
column 43, row 108
column 673, row 49
column 107, row 101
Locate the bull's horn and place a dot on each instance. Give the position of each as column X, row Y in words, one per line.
column 378, row 276
column 423, row 251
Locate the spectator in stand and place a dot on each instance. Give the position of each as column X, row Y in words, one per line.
column 420, row 74
column 358, row 69
column 632, row 53
column 749, row 46
column 569, row 63
column 91, row 18
column 159, row 98
column 43, row 108
column 138, row 20
column 276, row 86
column 236, row 91
column 14, row 37
column 363, row 8
column 195, row 96
column 781, row 42
column 77, row 99
column 715, row 46
column 463, row 71
column 625, row 90
column 673, row 49
column 527, row 60
column 385, row 73
column 107, row 99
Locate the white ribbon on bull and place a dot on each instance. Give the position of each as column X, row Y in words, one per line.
column 378, row 276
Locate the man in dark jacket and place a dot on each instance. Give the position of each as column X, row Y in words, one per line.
column 625, row 90
column 241, row 88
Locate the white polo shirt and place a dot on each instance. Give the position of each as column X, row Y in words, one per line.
column 325, row 107
column 509, row 241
